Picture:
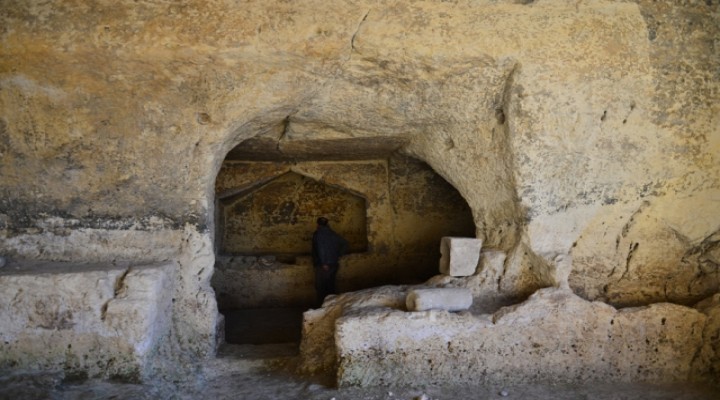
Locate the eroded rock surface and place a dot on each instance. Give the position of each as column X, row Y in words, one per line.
column 318, row 349
column 553, row 337
column 92, row 320
column 583, row 135
column 707, row 362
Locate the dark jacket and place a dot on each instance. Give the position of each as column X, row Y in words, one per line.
column 327, row 247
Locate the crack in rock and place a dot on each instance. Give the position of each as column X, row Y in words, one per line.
column 118, row 289
column 354, row 35
column 283, row 135
column 633, row 247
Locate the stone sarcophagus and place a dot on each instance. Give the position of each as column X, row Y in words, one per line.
column 88, row 320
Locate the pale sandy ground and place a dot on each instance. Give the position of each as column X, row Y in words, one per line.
column 265, row 372
column 272, row 385
column 258, row 387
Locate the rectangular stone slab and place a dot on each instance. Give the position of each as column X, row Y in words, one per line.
column 448, row 299
column 553, row 337
column 459, row 256
column 95, row 320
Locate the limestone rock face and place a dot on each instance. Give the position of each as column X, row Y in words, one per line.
column 448, row 299
column 501, row 279
column 89, row 320
column 553, row 337
column 318, row 350
column 596, row 147
column 584, row 136
column 707, row 364
column 645, row 241
column 251, row 282
column 459, row 256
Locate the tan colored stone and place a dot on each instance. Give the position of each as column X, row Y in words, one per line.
column 536, row 341
column 505, row 281
column 493, row 260
column 317, row 348
column 246, row 284
column 707, row 363
column 583, row 135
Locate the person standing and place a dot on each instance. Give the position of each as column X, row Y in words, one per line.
column 327, row 248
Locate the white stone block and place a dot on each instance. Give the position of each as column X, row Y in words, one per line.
column 141, row 309
column 107, row 318
column 459, row 256
column 449, row 299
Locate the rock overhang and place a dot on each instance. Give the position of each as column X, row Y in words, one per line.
column 600, row 106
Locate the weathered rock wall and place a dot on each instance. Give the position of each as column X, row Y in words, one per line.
column 583, row 135
column 706, row 364
column 643, row 206
column 369, row 338
column 88, row 320
column 258, row 282
column 554, row 337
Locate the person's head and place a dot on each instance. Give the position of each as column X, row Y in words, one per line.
column 322, row 221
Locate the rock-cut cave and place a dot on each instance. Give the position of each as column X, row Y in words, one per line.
column 529, row 190
column 392, row 209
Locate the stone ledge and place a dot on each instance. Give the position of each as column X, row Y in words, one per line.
column 255, row 284
column 553, row 337
column 90, row 320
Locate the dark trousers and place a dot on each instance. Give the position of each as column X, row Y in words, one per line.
column 325, row 282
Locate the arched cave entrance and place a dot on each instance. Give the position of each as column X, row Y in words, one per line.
column 393, row 209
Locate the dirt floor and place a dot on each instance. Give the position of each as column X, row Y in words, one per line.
column 269, row 386
column 255, row 370
column 264, row 373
